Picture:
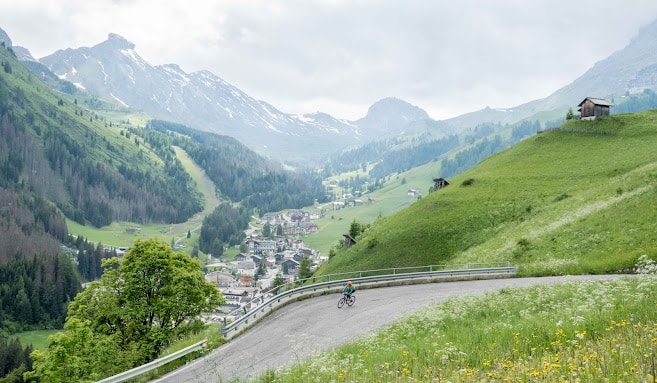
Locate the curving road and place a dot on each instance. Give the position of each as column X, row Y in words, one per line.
column 315, row 325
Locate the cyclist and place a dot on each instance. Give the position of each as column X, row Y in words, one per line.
column 348, row 289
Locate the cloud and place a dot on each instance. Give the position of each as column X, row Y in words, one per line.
column 338, row 57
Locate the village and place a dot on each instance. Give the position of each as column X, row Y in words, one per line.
column 268, row 261
column 274, row 257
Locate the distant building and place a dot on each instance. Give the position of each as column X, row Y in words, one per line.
column 261, row 246
column 337, row 205
column 591, row 108
column 413, row 192
column 439, row 183
column 221, row 279
column 348, row 240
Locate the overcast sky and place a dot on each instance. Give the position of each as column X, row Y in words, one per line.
column 448, row 57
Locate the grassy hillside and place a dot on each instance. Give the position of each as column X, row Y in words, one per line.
column 578, row 199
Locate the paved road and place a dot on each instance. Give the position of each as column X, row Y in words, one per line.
column 315, row 325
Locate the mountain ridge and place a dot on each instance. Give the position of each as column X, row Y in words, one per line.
column 114, row 70
column 204, row 101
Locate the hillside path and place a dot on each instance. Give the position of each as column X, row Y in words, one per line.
column 206, row 187
column 315, row 325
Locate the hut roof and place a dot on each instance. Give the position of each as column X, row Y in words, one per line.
column 596, row 101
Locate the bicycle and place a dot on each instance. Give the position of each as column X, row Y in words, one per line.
column 349, row 299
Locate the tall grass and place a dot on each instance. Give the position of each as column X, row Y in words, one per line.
column 598, row 331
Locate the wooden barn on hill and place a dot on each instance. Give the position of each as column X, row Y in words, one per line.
column 439, row 183
column 591, row 108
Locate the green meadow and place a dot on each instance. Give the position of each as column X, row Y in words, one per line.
column 37, row 338
column 576, row 200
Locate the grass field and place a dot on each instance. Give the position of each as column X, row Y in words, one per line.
column 38, row 338
column 572, row 201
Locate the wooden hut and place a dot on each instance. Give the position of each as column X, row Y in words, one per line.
column 591, row 108
column 348, row 240
column 439, row 183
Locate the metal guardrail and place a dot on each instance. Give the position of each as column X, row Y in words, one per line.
column 363, row 281
column 122, row 377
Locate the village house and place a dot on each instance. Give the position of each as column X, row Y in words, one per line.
column 245, row 266
column 308, row 227
column 590, row 108
column 221, row 279
column 242, row 257
column 337, row 205
column 290, row 228
column 247, row 281
column 308, row 252
column 235, row 297
column 273, row 219
column 297, row 215
column 291, row 266
column 413, row 192
column 261, row 246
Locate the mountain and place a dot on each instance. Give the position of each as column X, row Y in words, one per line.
column 388, row 116
column 86, row 166
column 202, row 100
column 4, row 39
column 114, row 70
column 97, row 169
column 630, row 70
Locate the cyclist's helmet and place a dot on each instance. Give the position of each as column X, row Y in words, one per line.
column 349, row 283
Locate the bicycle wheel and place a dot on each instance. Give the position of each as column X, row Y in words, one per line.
column 341, row 302
column 351, row 300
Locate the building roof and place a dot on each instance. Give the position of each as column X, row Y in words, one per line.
column 596, row 101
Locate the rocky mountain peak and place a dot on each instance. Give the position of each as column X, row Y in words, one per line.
column 395, row 106
column 647, row 36
column 390, row 114
column 23, row 54
column 4, row 38
column 117, row 42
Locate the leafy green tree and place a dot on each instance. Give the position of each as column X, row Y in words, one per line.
column 304, row 268
column 262, row 269
column 355, row 229
column 570, row 115
column 266, row 230
column 141, row 305
column 278, row 281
